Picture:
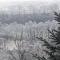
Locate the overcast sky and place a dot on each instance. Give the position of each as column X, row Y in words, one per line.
column 4, row 3
column 7, row 4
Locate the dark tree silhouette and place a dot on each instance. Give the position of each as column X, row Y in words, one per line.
column 54, row 50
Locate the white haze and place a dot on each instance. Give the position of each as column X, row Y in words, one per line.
column 4, row 3
column 28, row 5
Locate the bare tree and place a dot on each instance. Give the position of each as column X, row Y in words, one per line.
column 18, row 50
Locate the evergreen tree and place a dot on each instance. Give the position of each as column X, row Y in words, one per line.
column 54, row 50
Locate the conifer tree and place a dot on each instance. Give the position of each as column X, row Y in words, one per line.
column 53, row 50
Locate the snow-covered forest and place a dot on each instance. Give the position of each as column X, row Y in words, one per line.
column 21, row 38
column 29, row 30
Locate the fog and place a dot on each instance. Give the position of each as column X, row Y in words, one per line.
column 25, row 27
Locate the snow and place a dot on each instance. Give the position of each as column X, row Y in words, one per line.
column 25, row 35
